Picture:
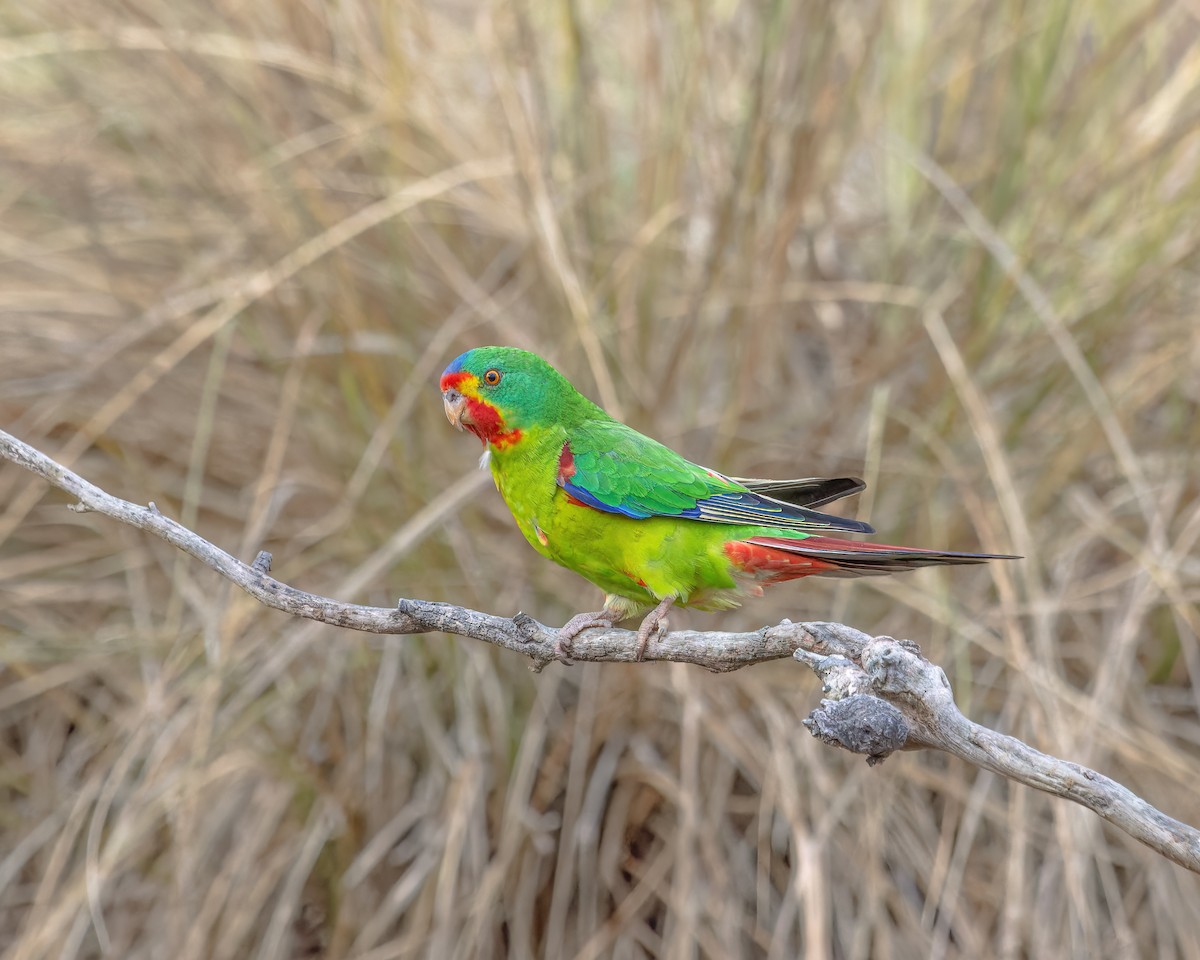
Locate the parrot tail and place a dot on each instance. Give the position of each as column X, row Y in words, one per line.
column 775, row 559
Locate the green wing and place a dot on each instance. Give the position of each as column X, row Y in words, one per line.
column 611, row 467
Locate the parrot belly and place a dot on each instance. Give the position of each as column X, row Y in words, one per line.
column 638, row 561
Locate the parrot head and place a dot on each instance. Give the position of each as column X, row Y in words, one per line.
column 499, row 392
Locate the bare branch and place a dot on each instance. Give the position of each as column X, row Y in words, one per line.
column 716, row 651
column 883, row 695
column 901, row 699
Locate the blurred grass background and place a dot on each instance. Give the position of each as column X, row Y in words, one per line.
column 951, row 247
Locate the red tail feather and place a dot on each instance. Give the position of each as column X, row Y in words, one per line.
column 774, row 559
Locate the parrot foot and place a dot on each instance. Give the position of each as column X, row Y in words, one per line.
column 575, row 626
column 654, row 627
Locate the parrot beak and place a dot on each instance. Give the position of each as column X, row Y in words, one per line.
column 456, row 408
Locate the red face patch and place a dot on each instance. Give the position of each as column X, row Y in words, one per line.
column 487, row 423
column 482, row 418
column 454, row 381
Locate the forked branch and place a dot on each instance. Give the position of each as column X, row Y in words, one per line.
column 883, row 695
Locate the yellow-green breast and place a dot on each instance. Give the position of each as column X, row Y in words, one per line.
column 641, row 560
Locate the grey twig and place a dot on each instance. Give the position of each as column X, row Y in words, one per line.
column 887, row 697
column 882, row 694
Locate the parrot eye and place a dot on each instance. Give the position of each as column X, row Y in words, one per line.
column 491, row 378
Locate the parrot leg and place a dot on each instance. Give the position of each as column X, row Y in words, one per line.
column 576, row 625
column 654, row 626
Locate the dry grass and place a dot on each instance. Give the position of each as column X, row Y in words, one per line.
column 955, row 242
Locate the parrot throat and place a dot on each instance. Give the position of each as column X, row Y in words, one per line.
column 487, row 423
column 483, row 419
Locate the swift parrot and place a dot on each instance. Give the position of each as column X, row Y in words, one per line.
column 648, row 527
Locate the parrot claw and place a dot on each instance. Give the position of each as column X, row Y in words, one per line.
column 654, row 627
column 575, row 626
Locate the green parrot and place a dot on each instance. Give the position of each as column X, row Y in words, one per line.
column 648, row 527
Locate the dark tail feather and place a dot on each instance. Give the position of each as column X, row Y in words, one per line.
column 850, row 558
column 805, row 492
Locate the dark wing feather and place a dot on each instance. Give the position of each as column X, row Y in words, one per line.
column 806, row 491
